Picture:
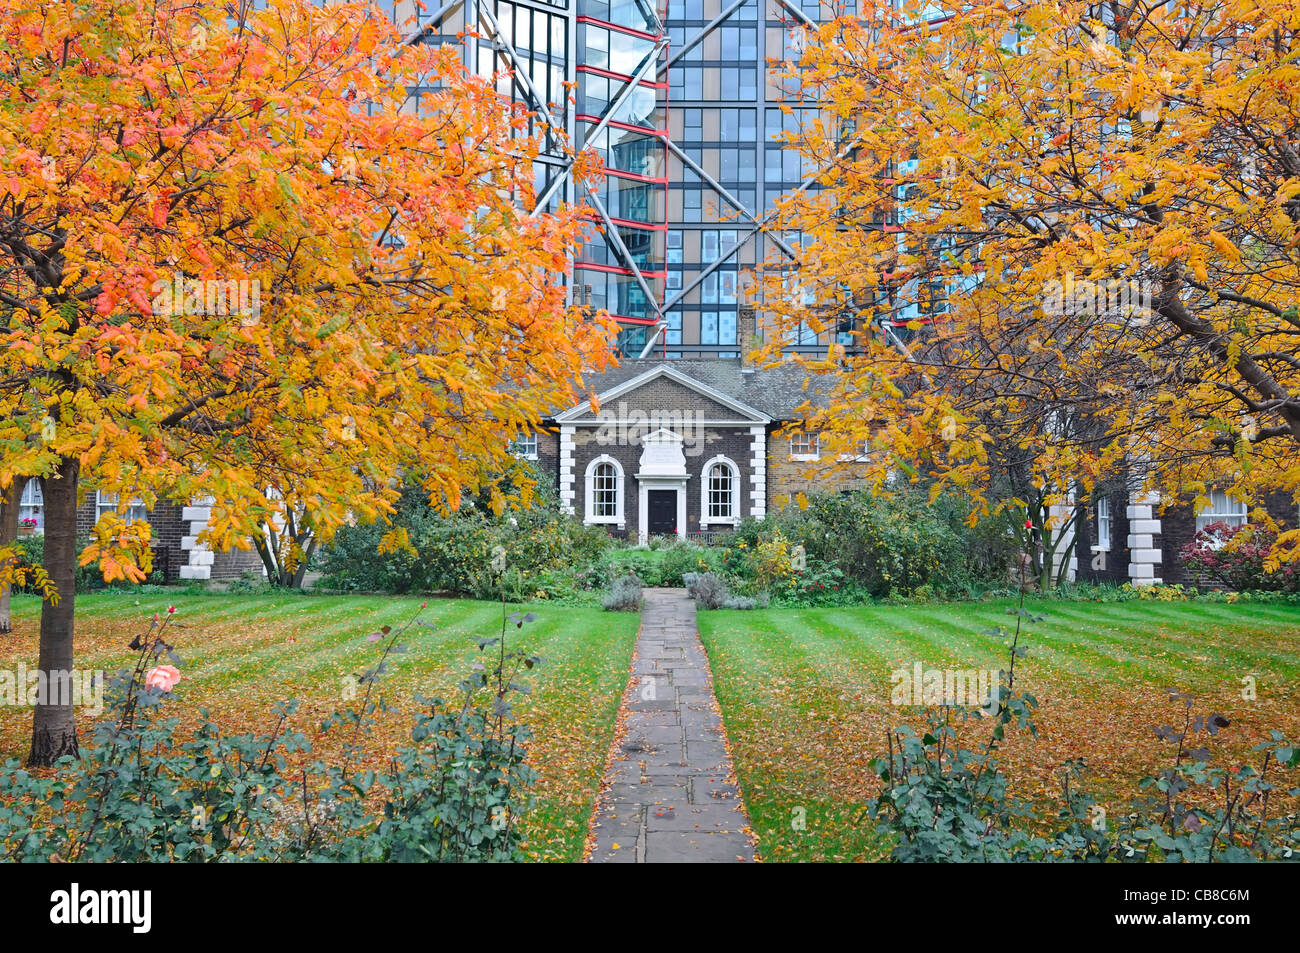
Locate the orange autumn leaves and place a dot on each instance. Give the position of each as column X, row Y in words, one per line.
column 410, row 312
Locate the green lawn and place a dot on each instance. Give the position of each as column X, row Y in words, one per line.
column 805, row 697
column 243, row 652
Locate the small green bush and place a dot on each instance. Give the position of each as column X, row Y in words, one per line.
column 624, row 595
column 856, row 547
column 708, row 589
column 685, row 557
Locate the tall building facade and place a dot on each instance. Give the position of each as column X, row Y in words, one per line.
column 678, row 99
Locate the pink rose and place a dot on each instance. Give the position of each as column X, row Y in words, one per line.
column 162, row 677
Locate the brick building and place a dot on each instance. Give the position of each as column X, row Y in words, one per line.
column 679, row 447
column 174, row 529
column 1127, row 536
column 683, row 447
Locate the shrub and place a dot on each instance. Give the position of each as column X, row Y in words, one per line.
column 249, row 582
column 142, row 793
column 708, row 589
column 687, row 557
column 624, row 595
column 859, row 545
column 773, row 562
column 636, row 562
column 942, row 801
column 1236, row 557
column 665, row 566
column 453, row 553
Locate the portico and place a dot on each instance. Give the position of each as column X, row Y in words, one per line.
column 661, row 486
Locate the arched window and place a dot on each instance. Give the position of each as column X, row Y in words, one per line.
column 721, row 492
column 604, row 490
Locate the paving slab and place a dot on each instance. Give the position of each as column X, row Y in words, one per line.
column 694, row 847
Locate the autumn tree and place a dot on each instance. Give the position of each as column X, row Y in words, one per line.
column 1106, row 197
column 160, row 162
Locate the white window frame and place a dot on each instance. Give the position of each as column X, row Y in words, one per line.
column 521, row 444
column 589, row 504
column 31, row 504
column 1222, row 508
column 108, row 503
column 1103, row 524
column 706, row 492
column 806, row 440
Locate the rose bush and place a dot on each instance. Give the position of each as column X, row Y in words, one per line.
column 1236, row 556
column 144, row 790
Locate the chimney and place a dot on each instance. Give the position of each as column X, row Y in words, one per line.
column 746, row 336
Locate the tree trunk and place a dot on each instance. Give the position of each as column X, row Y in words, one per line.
column 263, row 547
column 54, row 724
column 301, row 572
column 1071, row 525
column 8, row 535
column 267, row 545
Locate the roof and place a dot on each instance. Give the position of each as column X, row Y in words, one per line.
column 775, row 391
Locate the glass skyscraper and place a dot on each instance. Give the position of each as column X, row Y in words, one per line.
column 679, row 101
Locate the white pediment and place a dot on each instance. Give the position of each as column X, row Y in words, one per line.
column 663, row 455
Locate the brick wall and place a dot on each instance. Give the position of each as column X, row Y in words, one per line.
column 167, row 530
column 786, row 477
column 165, row 527
column 1179, row 528
column 731, row 442
column 1117, row 559
column 548, row 454
column 668, row 400
column 233, row 564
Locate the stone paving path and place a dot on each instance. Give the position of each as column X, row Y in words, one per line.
column 669, row 796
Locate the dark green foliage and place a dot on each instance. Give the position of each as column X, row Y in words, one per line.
column 894, row 545
column 663, row 564
column 454, row 553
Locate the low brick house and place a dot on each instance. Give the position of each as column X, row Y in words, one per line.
column 678, row 447
column 687, row 447
column 174, row 529
column 683, row 447
column 1129, row 537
